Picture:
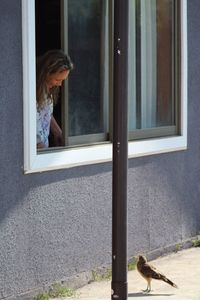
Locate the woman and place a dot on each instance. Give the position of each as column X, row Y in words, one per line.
column 52, row 69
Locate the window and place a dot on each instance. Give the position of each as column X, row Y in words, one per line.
column 157, row 78
column 81, row 29
column 155, row 41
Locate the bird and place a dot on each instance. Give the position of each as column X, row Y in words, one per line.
column 149, row 272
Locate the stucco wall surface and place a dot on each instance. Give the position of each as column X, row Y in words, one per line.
column 56, row 224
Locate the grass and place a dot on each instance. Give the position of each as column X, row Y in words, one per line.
column 106, row 276
column 178, row 247
column 196, row 242
column 56, row 290
column 132, row 265
column 97, row 276
column 42, row 296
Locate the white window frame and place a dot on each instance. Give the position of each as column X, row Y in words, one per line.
column 85, row 155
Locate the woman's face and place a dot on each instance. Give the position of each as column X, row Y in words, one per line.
column 56, row 79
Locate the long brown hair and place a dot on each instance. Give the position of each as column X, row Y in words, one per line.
column 51, row 62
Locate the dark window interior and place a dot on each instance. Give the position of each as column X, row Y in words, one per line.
column 47, row 14
column 47, row 25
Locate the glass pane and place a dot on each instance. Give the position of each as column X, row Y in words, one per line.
column 86, row 45
column 151, row 102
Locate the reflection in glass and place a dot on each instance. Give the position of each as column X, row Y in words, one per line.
column 151, row 68
column 86, row 35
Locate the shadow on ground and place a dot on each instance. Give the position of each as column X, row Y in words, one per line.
column 140, row 294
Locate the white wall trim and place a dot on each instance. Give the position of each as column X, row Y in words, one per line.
column 29, row 82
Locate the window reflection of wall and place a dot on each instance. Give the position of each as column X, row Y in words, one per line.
column 85, row 38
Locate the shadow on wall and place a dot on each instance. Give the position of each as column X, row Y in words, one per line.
column 16, row 187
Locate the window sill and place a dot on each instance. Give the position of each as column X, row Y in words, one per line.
column 69, row 158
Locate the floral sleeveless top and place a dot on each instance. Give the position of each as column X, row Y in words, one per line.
column 43, row 118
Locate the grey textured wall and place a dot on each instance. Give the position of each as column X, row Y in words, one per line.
column 56, row 224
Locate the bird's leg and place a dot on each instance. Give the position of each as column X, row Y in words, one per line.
column 148, row 289
column 149, row 286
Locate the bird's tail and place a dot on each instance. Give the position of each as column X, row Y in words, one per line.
column 165, row 279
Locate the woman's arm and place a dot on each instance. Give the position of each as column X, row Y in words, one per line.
column 40, row 145
column 56, row 132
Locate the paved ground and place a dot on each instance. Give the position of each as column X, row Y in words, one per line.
column 183, row 268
